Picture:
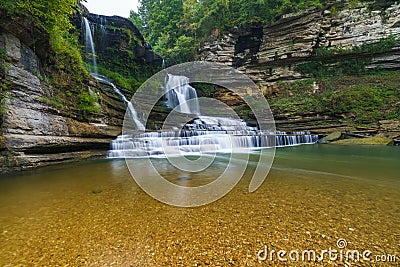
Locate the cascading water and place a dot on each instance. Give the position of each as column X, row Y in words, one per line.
column 103, row 79
column 178, row 92
column 89, row 44
column 204, row 134
column 203, row 137
column 131, row 108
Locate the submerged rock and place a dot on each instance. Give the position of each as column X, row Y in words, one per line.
column 97, row 191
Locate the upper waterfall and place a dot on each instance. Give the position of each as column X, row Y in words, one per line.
column 89, row 44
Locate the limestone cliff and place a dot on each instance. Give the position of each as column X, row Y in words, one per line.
column 272, row 55
column 44, row 121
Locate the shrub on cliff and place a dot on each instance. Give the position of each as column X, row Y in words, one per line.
column 54, row 17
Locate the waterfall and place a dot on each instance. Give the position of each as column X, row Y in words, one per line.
column 89, row 44
column 178, row 92
column 103, row 79
column 128, row 104
column 204, row 134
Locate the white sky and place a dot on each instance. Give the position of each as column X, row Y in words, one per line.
column 111, row 7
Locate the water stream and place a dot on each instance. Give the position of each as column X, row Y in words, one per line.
column 129, row 105
column 93, row 213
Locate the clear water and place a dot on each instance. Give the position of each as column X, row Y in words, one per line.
column 93, row 213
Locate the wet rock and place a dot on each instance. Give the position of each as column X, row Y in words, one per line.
column 331, row 137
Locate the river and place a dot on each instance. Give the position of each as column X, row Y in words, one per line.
column 93, row 213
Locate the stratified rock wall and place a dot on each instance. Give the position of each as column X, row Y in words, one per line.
column 269, row 54
column 35, row 133
column 39, row 124
column 272, row 55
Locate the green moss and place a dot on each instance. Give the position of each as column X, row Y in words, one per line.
column 4, row 84
column 376, row 140
column 129, row 75
column 359, row 100
column 131, row 35
column 65, row 71
column 88, row 103
column 3, row 54
column 205, row 89
column 3, row 98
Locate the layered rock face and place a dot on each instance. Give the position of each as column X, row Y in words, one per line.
column 39, row 125
column 270, row 54
column 35, row 133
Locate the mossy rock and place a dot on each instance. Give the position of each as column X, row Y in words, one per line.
column 77, row 128
column 2, row 143
column 377, row 140
column 331, row 137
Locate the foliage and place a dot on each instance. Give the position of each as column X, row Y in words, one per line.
column 3, row 83
column 65, row 70
column 3, row 98
column 122, row 67
column 3, row 54
column 175, row 28
column 123, row 81
column 54, row 17
column 88, row 103
column 204, row 89
column 383, row 45
column 54, row 101
column 326, row 65
column 366, row 99
column 334, row 68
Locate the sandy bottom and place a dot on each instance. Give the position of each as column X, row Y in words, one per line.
column 94, row 214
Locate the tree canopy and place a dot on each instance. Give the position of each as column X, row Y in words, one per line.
column 175, row 27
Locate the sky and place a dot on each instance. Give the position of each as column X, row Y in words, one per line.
column 111, row 7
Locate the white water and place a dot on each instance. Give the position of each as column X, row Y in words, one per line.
column 204, row 135
column 90, row 44
column 178, row 93
column 131, row 108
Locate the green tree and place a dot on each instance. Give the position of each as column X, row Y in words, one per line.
column 173, row 27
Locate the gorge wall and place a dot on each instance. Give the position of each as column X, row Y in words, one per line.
column 272, row 55
column 43, row 122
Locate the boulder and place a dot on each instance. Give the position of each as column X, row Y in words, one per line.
column 331, row 137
